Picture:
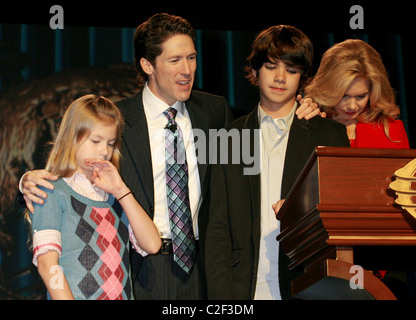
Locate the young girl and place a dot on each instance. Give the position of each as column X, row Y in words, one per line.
column 85, row 222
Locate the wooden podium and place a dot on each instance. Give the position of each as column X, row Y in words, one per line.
column 339, row 206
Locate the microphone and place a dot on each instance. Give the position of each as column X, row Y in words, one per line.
column 172, row 127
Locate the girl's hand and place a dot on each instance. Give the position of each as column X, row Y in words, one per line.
column 106, row 177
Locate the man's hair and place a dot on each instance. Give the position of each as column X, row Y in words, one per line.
column 150, row 36
column 281, row 43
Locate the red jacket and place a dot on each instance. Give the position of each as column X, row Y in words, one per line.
column 371, row 135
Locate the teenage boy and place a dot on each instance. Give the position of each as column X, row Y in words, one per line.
column 242, row 257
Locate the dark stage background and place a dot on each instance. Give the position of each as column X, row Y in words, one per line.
column 43, row 70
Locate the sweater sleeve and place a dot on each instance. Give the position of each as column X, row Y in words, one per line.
column 47, row 225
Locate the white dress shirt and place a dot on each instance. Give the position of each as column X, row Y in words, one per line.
column 80, row 184
column 156, row 121
column 273, row 143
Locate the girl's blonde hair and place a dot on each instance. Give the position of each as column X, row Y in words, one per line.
column 340, row 66
column 77, row 122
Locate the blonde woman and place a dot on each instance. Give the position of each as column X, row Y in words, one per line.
column 84, row 224
column 352, row 87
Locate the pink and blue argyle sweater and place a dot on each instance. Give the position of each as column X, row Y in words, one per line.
column 94, row 244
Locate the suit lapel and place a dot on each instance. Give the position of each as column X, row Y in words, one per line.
column 136, row 138
column 252, row 123
column 295, row 153
column 198, row 116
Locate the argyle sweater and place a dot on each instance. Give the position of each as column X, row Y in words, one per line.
column 94, row 246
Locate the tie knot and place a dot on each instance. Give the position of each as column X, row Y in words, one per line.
column 170, row 113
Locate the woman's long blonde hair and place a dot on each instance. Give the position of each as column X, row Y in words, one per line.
column 341, row 65
column 77, row 122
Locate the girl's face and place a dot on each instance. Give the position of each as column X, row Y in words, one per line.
column 354, row 101
column 99, row 144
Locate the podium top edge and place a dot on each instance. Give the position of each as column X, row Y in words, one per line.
column 364, row 152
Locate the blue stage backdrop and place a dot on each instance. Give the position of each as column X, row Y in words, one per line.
column 43, row 70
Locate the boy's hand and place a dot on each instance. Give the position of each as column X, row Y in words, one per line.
column 276, row 207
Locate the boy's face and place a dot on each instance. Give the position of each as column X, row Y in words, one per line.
column 278, row 84
column 172, row 76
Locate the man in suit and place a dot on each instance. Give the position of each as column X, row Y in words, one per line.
column 165, row 58
column 166, row 62
column 241, row 253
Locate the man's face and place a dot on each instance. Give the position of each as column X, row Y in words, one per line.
column 172, row 76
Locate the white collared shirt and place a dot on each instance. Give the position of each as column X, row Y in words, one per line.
column 273, row 143
column 156, row 121
column 80, row 184
column 47, row 240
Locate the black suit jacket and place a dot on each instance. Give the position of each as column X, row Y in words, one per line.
column 206, row 112
column 233, row 233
